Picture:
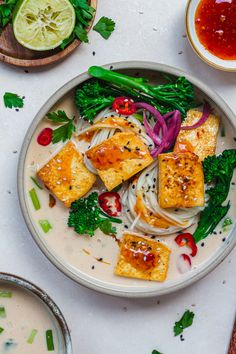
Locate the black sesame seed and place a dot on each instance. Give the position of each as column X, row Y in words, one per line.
column 26, row 71
column 100, row 259
column 127, row 210
column 181, row 52
column 140, row 131
column 147, row 174
column 223, row 239
column 133, row 186
column 153, row 237
column 154, row 179
column 94, row 53
column 153, row 186
column 111, row 67
column 93, row 267
column 202, row 244
column 234, row 139
column 112, row 115
column 233, row 183
column 220, row 232
column 214, row 232
column 17, row 109
column 126, row 226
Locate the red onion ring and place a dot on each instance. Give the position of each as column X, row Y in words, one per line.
column 205, row 115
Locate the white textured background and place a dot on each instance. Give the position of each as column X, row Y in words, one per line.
column 146, row 30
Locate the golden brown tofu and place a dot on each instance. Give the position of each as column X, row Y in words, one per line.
column 181, row 180
column 119, row 158
column 201, row 141
column 142, row 258
column 66, row 176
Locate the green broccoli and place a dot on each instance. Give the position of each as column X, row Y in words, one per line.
column 218, row 170
column 86, row 217
column 94, row 95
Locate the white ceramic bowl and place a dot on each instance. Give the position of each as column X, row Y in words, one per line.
column 104, row 280
column 65, row 344
column 202, row 52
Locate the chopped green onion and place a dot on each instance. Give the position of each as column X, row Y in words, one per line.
column 32, row 335
column 49, row 339
column 222, row 132
column 45, row 225
column 36, row 182
column 4, row 293
column 35, row 199
column 2, row 312
column 1, row 329
column 227, row 222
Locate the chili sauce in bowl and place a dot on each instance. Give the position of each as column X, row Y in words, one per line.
column 211, row 29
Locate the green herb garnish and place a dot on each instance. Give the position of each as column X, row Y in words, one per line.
column 185, row 321
column 227, row 222
column 1, row 329
column 12, row 100
column 45, row 225
column 105, row 26
column 86, row 217
column 2, row 312
column 84, row 14
column 64, row 132
column 32, row 335
column 36, row 182
column 156, row 352
column 6, row 9
column 35, row 199
column 6, row 294
column 218, row 172
column 49, row 340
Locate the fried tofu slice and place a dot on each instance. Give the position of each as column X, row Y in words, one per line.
column 181, row 180
column 202, row 140
column 142, row 258
column 66, row 176
column 119, row 158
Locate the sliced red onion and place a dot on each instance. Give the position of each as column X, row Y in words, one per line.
column 184, row 263
column 150, row 130
column 205, row 115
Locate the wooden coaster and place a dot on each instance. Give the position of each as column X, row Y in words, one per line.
column 12, row 52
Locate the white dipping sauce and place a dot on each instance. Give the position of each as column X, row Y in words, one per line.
column 24, row 313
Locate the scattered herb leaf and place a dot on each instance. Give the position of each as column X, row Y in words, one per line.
column 107, row 228
column 6, row 9
column 227, row 222
column 32, row 335
column 156, row 352
column 65, row 131
column 185, row 321
column 36, row 182
column 1, row 329
column 2, row 312
column 13, row 100
column 49, row 340
column 5, row 294
column 105, row 26
column 35, row 199
column 45, row 225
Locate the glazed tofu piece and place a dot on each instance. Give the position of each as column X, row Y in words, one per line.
column 142, row 258
column 201, row 141
column 181, row 180
column 66, row 176
column 119, row 158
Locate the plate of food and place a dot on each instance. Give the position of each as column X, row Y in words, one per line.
column 38, row 33
column 30, row 321
column 126, row 179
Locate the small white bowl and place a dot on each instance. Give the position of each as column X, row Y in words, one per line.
column 202, row 52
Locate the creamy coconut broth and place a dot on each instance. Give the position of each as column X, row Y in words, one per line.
column 24, row 323
column 97, row 256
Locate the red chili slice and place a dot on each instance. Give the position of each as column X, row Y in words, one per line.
column 110, row 202
column 124, row 105
column 45, row 137
column 186, row 239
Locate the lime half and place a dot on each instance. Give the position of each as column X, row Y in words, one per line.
column 43, row 24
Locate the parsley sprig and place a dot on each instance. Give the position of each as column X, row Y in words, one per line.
column 12, row 100
column 84, row 14
column 6, row 9
column 105, row 26
column 65, row 131
column 185, row 321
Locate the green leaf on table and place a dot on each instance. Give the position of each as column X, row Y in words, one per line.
column 156, row 352
column 12, row 100
column 185, row 321
column 105, row 26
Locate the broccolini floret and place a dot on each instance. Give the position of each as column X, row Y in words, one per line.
column 86, row 217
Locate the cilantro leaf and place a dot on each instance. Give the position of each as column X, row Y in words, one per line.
column 81, row 34
column 13, row 100
column 107, row 228
column 6, row 9
column 65, row 131
column 156, row 352
column 58, row 117
column 105, row 26
column 67, row 41
column 185, row 321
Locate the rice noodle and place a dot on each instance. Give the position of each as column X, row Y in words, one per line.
column 146, row 187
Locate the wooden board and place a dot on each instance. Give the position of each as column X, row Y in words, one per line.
column 12, row 52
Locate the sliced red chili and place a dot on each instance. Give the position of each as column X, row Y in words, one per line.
column 186, row 239
column 110, row 202
column 45, row 137
column 124, row 105
column 184, row 263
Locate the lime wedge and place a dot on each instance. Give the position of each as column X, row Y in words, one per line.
column 43, row 24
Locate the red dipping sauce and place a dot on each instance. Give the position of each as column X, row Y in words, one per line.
column 215, row 22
